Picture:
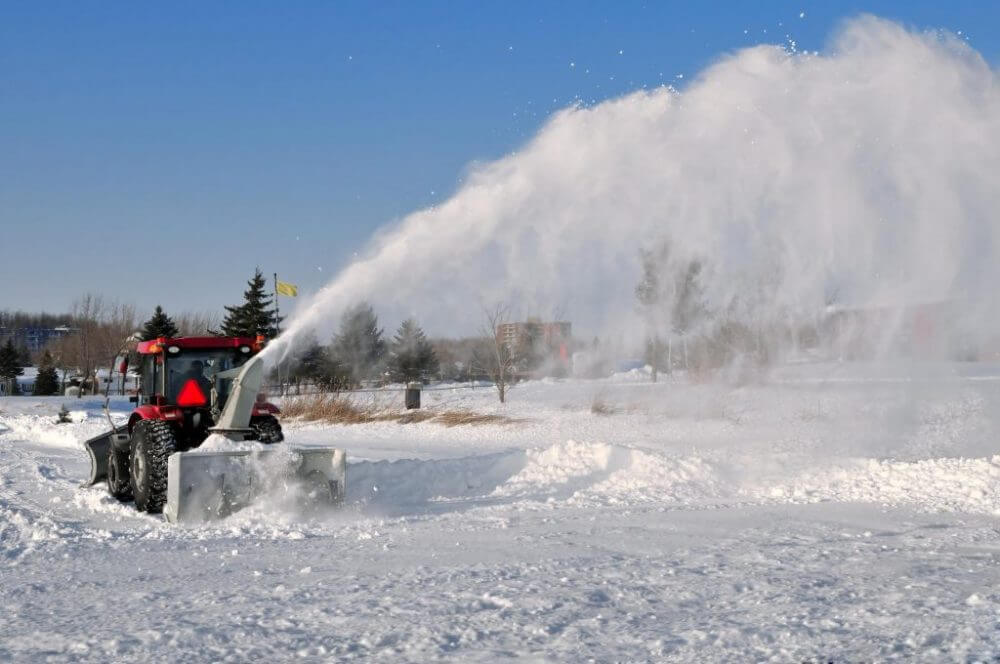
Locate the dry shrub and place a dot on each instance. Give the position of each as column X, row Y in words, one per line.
column 454, row 418
column 601, row 407
column 300, row 406
column 327, row 408
column 409, row 417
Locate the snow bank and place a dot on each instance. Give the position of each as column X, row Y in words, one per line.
column 585, row 473
column 938, row 485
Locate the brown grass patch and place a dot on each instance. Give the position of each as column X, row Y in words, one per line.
column 340, row 409
column 326, row 408
column 456, row 418
column 409, row 417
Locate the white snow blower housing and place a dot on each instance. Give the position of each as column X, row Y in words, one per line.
column 196, row 389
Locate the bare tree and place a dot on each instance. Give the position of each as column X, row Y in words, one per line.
column 59, row 348
column 671, row 301
column 650, row 293
column 81, row 348
column 458, row 357
column 120, row 326
column 101, row 328
column 497, row 358
column 118, row 323
column 197, row 323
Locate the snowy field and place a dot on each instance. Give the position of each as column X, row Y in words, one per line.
column 824, row 513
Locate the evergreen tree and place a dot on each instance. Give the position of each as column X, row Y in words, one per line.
column 10, row 366
column 358, row 349
column 47, row 381
column 159, row 325
column 318, row 367
column 314, row 363
column 256, row 315
column 24, row 356
column 411, row 356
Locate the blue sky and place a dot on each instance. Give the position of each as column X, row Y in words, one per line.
column 157, row 152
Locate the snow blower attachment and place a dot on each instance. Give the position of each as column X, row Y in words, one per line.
column 202, row 486
column 205, row 389
column 207, row 485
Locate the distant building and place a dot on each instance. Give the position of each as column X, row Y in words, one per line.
column 541, row 348
column 34, row 338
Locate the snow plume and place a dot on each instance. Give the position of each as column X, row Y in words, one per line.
column 865, row 177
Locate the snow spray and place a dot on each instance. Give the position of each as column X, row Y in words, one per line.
column 862, row 177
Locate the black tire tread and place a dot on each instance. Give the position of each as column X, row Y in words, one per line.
column 160, row 444
column 268, row 429
column 122, row 488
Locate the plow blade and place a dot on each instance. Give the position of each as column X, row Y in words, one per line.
column 202, row 486
column 98, row 448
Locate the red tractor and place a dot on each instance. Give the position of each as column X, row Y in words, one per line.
column 184, row 388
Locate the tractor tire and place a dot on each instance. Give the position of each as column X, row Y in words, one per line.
column 268, row 429
column 153, row 442
column 119, row 484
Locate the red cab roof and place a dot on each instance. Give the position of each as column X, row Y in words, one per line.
column 191, row 343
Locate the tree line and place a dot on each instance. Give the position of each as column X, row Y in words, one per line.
column 100, row 327
column 358, row 353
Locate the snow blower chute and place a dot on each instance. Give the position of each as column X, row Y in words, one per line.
column 206, row 388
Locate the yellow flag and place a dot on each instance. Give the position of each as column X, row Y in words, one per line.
column 285, row 288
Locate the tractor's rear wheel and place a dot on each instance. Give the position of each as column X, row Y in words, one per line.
column 119, row 484
column 153, row 442
column 267, row 428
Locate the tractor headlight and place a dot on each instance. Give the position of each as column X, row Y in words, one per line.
column 244, row 349
column 173, row 349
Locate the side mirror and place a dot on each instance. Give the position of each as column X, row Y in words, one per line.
column 134, row 398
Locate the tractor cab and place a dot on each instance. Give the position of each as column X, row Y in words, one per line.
column 186, row 382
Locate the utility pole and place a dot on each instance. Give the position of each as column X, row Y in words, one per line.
column 277, row 319
column 277, row 329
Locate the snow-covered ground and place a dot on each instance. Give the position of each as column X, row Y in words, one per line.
column 826, row 512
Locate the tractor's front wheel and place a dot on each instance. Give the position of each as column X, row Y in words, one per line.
column 119, row 484
column 267, row 428
column 152, row 443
